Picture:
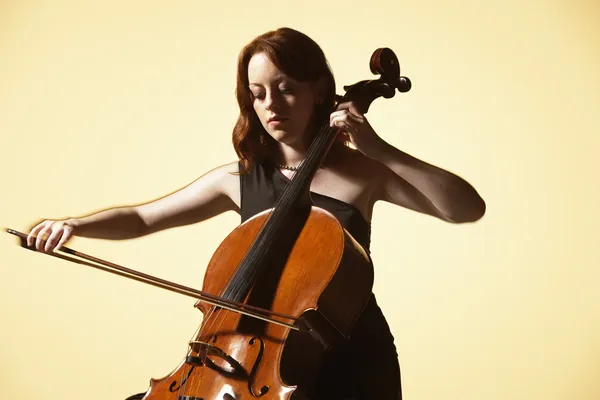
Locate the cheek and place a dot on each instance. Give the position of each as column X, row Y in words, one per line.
column 259, row 112
column 305, row 110
column 295, row 105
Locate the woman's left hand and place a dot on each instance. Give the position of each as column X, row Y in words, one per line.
column 355, row 125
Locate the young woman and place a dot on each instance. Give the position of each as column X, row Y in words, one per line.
column 286, row 92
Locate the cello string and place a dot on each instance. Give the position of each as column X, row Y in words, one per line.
column 182, row 392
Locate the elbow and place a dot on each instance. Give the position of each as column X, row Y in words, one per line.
column 139, row 227
column 474, row 215
column 472, row 212
column 482, row 208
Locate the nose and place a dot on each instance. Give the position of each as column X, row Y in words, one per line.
column 272, row 101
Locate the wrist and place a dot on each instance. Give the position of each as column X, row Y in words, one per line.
column 73, row 222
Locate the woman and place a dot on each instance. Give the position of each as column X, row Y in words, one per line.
column 285, row 92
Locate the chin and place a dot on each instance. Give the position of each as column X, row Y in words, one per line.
column 281, row 135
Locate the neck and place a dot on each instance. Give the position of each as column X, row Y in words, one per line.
column 290, row 159
column 292, row 154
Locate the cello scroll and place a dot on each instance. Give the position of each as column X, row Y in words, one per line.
column 384, row 63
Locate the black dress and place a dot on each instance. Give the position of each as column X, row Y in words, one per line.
column 367, row 367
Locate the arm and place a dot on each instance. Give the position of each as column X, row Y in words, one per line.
column 426, row 188
column 213, row 193
column 407, row 181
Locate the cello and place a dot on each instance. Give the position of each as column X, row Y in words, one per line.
column 271, row 292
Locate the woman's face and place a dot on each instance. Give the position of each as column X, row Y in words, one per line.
column 283, row 105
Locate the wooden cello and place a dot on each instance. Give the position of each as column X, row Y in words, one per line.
column 281, row 290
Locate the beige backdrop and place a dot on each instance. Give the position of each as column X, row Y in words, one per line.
column 119, row 102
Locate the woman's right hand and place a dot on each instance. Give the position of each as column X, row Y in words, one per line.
column 50, row 235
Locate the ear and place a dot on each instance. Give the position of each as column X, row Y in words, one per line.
column 320, row 90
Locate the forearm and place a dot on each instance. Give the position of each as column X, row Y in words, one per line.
column 450, row 194
column 114, row 224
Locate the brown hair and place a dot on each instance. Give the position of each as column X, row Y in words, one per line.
column 296, row 55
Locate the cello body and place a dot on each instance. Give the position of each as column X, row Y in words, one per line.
column 252, row 359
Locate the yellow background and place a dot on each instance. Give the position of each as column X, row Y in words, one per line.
column 120, row 102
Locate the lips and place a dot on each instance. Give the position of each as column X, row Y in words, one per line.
column 276, row 118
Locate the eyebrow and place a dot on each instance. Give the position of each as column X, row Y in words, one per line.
column 277, row 80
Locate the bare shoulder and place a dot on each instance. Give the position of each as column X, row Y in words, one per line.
column 353, row 178
column 220, row 182
column 229, row 177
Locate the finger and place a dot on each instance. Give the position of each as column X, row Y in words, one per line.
column 34, row 232
column 339, row 113
column 336, row 117
column 346, row 127
column 345, row 116
column 53, row 238
column 355, row 111
column 344, row 121
column 39, row 241
column 349, row 115
column 356, row 117
column 340, row 124
column 350, row 107
column 63, row 239
column 67, row 232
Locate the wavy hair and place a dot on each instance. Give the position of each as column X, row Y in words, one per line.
column 299, row 57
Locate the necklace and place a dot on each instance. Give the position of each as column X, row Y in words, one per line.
column 287, row 167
